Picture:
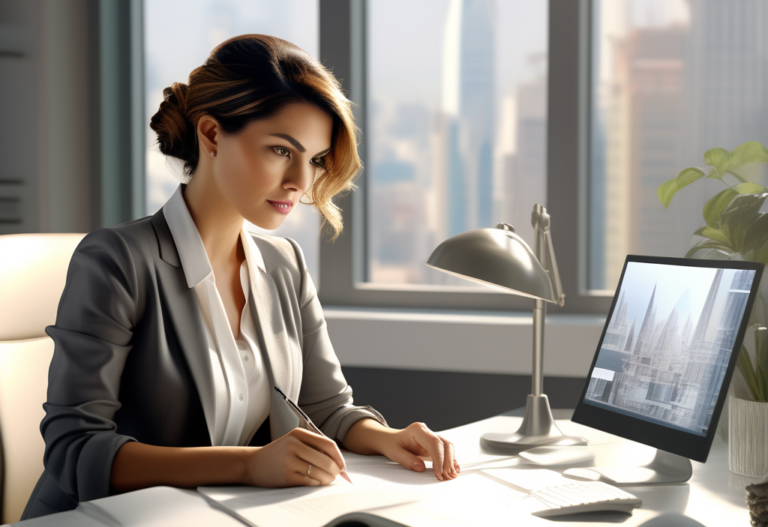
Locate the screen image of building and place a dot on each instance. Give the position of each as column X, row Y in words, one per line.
column 672, row 371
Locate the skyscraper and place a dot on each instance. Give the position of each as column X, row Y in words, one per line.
column 645, row 336
column 700, row 333
column 469, row 103
column 726, row 79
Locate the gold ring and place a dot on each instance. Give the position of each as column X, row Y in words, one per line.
column 310, row 468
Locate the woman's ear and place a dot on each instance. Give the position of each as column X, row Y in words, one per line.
column 208, row 134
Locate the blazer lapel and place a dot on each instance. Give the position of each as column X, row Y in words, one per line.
column 280, row 361
column 184, row 312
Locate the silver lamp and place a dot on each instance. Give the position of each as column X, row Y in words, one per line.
column 500, row 258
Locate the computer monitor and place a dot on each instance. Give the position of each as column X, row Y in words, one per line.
column 665, row 359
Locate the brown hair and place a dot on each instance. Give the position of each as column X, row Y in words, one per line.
column 252, row 77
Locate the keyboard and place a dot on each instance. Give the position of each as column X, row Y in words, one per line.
column 584, row 496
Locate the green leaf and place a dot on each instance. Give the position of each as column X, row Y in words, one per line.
column 738, row 216
column 714, row 234
column 748, row 153
column 762, row 386
column 750, row 188
column 761, row 361
column 714, row 174
column 756, row 234
column 744, row 363
column 761, row 348
column 717, row 204
column 718, row 158
column 667, row 191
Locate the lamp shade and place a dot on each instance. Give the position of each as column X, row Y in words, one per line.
column 495, row 257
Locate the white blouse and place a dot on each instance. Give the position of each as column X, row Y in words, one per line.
column 241, row 385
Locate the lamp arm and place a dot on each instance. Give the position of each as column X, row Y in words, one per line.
column 545, row 251
column 554, row 273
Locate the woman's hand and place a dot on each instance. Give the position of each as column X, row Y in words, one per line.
column 286, row 461
column 417, row 439
column 368, row 437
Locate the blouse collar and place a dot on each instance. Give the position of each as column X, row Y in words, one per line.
column 189, row 244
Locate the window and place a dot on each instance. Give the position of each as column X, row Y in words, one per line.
column 474, row 110
column 670, row 80
column 455, row 128
column 408, row 113
column 179, row 35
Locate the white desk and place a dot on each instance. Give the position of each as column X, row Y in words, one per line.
column 714, row 496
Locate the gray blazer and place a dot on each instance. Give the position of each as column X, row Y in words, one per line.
column 126, row 330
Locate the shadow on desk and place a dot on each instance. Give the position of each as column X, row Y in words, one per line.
column 588, row 517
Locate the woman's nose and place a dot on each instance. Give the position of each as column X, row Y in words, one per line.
column 300, row 179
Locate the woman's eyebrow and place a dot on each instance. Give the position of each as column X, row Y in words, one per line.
column 298, row 145
column 291, row 140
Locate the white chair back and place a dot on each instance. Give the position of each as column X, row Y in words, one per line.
column 33, row 269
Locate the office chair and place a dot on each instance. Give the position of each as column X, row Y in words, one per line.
column 33, row 270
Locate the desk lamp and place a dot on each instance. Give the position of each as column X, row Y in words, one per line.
column 501, row 259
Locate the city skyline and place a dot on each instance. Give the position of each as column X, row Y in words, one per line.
column 660, row 100
column 471, row 155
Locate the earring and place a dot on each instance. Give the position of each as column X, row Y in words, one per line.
column 213, row 153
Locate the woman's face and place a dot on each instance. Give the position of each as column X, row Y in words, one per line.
column 266, row 168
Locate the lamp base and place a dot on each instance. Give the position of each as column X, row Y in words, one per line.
column 538, row 429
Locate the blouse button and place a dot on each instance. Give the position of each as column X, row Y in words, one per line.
column 241, row 396
column 245, row 357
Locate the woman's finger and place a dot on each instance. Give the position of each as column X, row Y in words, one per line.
column 450, row 458
column 314, row 472
column 428, row 440
column 323, row 444
column 317, row 458
column 407, row 459
column 303, row 480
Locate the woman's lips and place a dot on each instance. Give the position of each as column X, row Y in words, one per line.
column 283, row 207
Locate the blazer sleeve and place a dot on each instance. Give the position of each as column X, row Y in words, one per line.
column 92, row 338
column 325, row 395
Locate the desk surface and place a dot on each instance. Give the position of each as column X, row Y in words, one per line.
column 714, row 496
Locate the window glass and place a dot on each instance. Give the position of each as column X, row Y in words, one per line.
column 179, row 35
column 670, row 80
column 456, row 126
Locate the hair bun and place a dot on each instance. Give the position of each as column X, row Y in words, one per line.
column 175, row 132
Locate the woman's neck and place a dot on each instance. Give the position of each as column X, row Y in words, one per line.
column 218, row 223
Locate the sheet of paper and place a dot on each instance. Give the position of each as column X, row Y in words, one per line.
column 380, row 487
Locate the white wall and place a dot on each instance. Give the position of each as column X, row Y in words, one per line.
column 45, row 138
column 467, row 342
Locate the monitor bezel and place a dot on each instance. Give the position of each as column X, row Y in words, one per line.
column 686, row 444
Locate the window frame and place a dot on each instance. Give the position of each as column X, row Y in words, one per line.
column 343, row 265
column 119, row 108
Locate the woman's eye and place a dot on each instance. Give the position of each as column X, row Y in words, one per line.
column 319, row 162
column 279, row 150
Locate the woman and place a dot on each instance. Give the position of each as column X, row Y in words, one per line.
column 173, row 329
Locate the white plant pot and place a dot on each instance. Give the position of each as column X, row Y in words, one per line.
column 747, row 437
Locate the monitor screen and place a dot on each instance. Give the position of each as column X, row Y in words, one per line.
column 668, row 350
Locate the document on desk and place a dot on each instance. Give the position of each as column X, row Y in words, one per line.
column 384, row 494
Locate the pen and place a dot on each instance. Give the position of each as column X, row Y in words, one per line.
column 312, row 427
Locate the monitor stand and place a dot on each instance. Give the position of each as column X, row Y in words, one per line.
column 664, row 469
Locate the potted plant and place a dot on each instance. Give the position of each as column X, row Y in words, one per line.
column 736, row 229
